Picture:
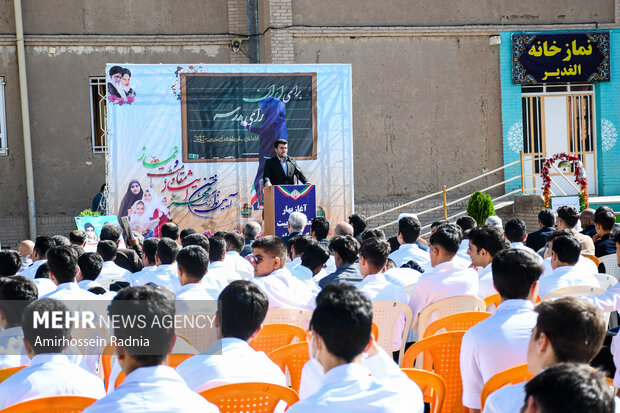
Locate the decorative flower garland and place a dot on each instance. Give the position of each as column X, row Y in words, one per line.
column 580, row 177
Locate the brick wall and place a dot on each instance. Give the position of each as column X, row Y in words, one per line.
column 238, row 24
column 15, row 229
column 278, row 42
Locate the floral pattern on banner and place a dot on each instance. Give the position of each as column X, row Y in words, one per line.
column 609, row 133
column 580, row 176
column 121, row 101
column 515, row 137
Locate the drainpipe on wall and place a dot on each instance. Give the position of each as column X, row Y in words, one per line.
column 253, row 40
column 23, row 88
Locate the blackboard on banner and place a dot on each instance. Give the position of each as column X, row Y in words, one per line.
column 213, row 105
column 560, row 57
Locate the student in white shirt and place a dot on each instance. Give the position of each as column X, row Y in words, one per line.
column 568, row 217
column 466, row 223
column 150, row 385
column 10, row 263
column 568, row 387
column 296, row 249
column 444, row 279
column 565, row 254
column 312, row 262
column 484, row 243
column 50, row 373
column 233, row 258
column 516, row 233
column 408, row 233
column 282, row 289
column 340, row 327
column 110, row 272
column 42, row 280
column 500, row 341
column 242, row 307
column 193, row 262
column 90, row 264
column 41, row 246
column 166, row 274
column 15, row 294
column 567, row 330
column 219, row 275
column 149, row 262
column 62, row 262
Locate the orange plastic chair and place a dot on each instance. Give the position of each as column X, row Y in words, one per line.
column 456, row 322
column 493, row 299
column 375, row 331
column 249, row 397
column 596, row 260
column 274, row 336
column 513, row 375
column 432, row 385
column 293, row 356
column 8, row 372
column 106, row 364
column 175, row 359
column 442, row 351
column 55, row 404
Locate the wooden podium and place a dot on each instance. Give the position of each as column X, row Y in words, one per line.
column 281, row 200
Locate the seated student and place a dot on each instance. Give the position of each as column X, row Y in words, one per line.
column 25, row 252
column 484, row 243
column 90, row 264
column 359, row 223
column 128, row 258
column 110, row 271
column 516, row 234
column 62, row 262
column 500, row 341
column 185, row 232
column 41, row 245
column 296, row 246
column 282, row 289
column 149, row 263
column 340, row 327
column 408, row 233
column 312, row 262
column 150, row 385
column 568, row 387
column 444, row 279
column 15, row 294
column 219, row 275
column 192, row 262
column 546, row 222
column 584, row 264
column 10, row 263
column 604, row 221
column 565, row 254
column 170, row 230
column 404, row 276
column 346, row 249
column 233, row 259
column 42, row 280
column 567, row 330
column 610, row 300
column 241, row 309
column 77, row 237
column 166, row 274
column 50, row 373
column 466, row 223
column 568, row 216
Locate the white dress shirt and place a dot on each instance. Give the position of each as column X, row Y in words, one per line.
column 12, row 350
column 285, row 291
column 292, row 264
column 229, row 360
column 110, row 272
column 445, row 280
column 402, row 277
column 351, row 388
column 378, row 288
column 26, row 262
column 31, row 271
column 49, row 375
column 239, row 265
column 70, row 291
column 155, row 389
column 408, row 252
column 485, row 282
column 44, row 286
column 584, row 264
column 86, row 284
column 462, row 252
column 218, row 276
column 166, row 275
column 137, row 277
column 565, row 276
column 522, row 246
column 194, row 293
column 493, row 345
column 304, row 274
column 608, row 301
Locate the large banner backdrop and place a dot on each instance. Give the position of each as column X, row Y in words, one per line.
column 187, row 143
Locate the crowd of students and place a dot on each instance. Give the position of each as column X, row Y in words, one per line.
column 337, row 279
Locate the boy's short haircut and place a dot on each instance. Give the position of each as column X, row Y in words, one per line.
column 194, row 261
column 272, row 245
column 242, row 308
column 167, row 250
column 10, row 262
column 90, row 264
column 514, row 272
column 15, row 294
column 375, row 251
column 448, row 236
column 62, row 262
column 46, row 338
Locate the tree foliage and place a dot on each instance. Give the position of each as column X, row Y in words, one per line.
column 480, row 207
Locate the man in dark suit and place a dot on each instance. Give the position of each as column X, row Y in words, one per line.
column 346, row 249
column 282, row 169
column 546, row 222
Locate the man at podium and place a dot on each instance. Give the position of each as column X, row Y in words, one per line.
column 282, row 169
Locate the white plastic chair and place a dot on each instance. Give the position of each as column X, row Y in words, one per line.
column 606, row 280
column 293, row 316
column 386, row 315
column 574, row 291
column 446, row 307
column 200, row 338
column 611, row 265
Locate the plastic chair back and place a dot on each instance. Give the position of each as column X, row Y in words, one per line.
column 106, row 363
column 295, row 316
column 432, row 385
column 200, row 338
column 606, row 280
column 443, row 352
column 175, row 359
column 594, row 258
column 249, row 397
column 446, row 307
column 456, row 322
column 611, row 265
column 293, row 357
column 54, row 404
column 492, row 302
column 375, row 331
column 574, row 291
column 386, row 315
column 513, row 375
column 8, row 372
column 274, row 336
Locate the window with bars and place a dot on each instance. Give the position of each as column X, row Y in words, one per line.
column 98, row 114
column 3, row 137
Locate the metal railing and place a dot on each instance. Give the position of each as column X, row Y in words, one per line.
column 444, row 192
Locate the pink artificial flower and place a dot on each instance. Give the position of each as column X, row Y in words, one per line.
column 111, row 98
column 120, row 101
column 131, row 99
